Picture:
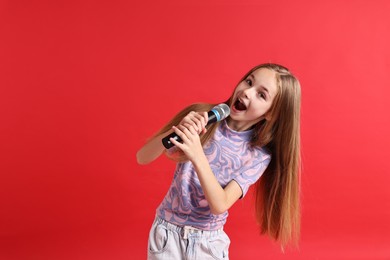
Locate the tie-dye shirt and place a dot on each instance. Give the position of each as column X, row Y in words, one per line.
column 231, row 158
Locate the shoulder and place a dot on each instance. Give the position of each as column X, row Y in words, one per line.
column 261, row 153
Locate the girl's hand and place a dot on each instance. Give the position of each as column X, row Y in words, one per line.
column 188, row 130
column 197, row 120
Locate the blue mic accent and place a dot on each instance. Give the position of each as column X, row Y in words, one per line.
column 216, row 114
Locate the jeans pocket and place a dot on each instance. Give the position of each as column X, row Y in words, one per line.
column 158, row 239
column 219, row 246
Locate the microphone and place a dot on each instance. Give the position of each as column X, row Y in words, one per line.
column 216, row 114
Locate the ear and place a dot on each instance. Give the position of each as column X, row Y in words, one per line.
column 268, row 116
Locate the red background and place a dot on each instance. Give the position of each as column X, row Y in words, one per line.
column 83, row 84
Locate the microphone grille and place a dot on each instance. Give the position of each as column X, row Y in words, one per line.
column 223, row 110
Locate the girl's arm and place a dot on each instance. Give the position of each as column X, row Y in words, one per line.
column 152, row 149
column 219, row 199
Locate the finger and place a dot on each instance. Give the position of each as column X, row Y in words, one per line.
column 206, row 117
column 192, row 130
column 188, row 118
column 200, row 123
column 202, row 116
column 180, row 132
column 175, row 142
column 197, row 120
column 188, row 131
column 191, row 119
column 188, row 125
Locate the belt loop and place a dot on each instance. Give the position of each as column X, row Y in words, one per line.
column 186, row 231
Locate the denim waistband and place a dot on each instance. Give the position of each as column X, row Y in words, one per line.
column 185, row 231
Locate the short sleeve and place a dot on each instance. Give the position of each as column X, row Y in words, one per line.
column 251, row 172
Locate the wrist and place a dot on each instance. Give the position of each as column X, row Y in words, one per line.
column 200, row 162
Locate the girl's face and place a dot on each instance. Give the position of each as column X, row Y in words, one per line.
column 252, row 99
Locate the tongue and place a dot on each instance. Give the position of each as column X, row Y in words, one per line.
column 240, row 106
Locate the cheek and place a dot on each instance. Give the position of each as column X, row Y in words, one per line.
column 267, row 108
column 260, row 110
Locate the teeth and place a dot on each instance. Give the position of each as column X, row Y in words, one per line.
column 242, row 102
column 240, row 105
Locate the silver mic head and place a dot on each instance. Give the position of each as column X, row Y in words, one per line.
column 223, row 110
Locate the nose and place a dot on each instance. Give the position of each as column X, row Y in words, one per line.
column 248, row 93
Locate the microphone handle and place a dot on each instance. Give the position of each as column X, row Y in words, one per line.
column 168, row 144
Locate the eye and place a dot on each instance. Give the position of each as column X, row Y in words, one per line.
column 262, row 95
column 249, row 82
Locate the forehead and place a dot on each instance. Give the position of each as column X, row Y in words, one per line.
column 266, row 78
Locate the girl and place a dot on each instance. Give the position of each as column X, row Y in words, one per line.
column 217, row 164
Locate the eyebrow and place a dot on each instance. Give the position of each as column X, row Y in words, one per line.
column 254, row 79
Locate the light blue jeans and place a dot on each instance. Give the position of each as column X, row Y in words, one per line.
column 168, row 241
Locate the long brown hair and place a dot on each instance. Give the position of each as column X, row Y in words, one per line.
column 277, row 193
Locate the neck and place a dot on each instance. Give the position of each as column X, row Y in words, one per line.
column 239, row 126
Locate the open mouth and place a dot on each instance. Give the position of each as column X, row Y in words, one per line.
column 238, row 105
